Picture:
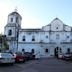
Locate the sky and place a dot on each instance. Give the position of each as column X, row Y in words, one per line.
column 36, row 13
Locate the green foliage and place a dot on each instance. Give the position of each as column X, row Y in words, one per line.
column 4, row 45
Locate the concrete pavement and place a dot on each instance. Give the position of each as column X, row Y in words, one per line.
column 41, row 65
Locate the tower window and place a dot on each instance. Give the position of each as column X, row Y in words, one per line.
column 16, row 19
column 23, row 38
column 10, row 32
column 11, row 19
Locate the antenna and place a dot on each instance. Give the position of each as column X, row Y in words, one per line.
column 16, row 9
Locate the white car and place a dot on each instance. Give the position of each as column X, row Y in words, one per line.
column 6, row 58
column 60, row 55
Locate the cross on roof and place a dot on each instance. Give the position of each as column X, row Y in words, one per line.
column 16, row 9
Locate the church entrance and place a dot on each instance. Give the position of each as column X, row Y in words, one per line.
column 57, row 50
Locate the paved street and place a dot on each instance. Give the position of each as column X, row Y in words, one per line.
column 41, row 65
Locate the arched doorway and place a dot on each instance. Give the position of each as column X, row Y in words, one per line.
column 56, row 51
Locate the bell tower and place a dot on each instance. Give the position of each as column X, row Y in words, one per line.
column 12, row 28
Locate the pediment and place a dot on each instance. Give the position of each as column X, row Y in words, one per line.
column 56, row 25
column 57, row 21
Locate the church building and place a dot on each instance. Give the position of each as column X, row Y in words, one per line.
column 43, row 42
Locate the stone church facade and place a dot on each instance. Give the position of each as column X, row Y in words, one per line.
column 41, row 41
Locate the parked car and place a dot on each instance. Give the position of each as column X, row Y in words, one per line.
column 19, row 57
column 6, row 58
column 67, row 56
column 29, row 55
column 60, row 56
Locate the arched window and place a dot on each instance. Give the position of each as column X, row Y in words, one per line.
column 33, row 38
column 23, row 39
column 68, row 50
column 46, row 36
column 10, row 32
column 23, row 50
column 16, row 19
column 46, row 50
column 11, row 19
column 60, row 50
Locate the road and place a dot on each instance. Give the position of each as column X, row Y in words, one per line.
column 41, row 65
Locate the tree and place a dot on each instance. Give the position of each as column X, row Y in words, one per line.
column 0, row 38
column 3, row 42
column 6, row 46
